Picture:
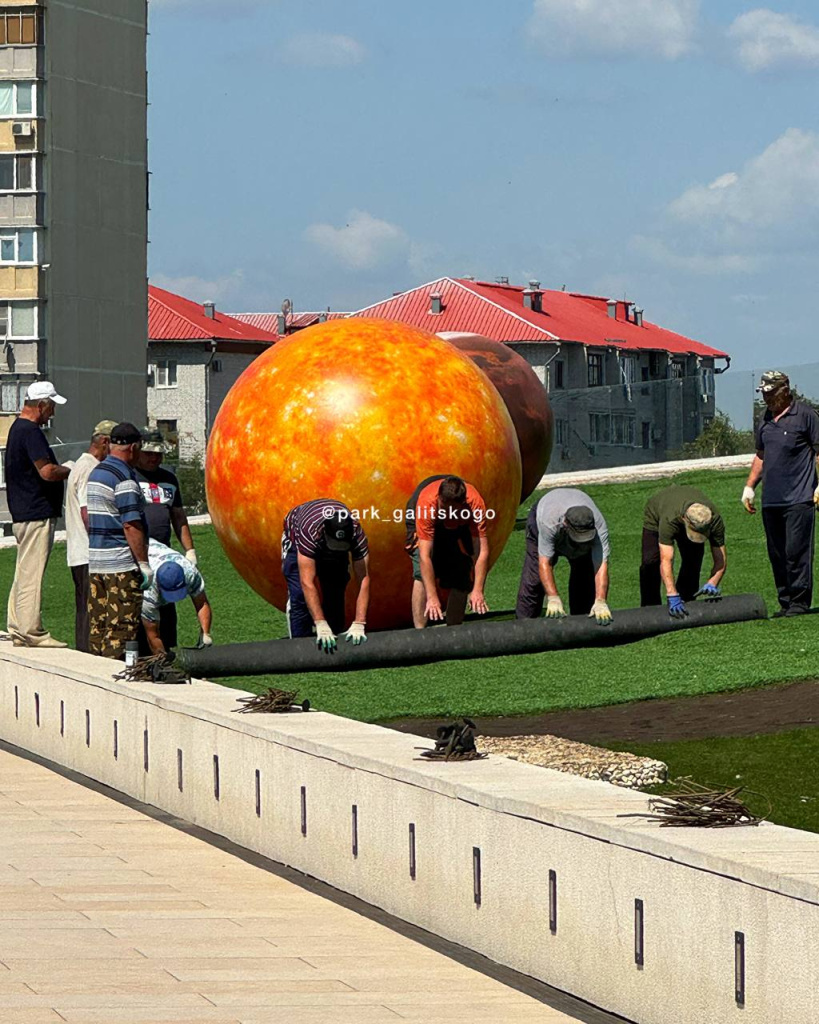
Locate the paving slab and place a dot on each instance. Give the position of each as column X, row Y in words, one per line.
column 108, row 916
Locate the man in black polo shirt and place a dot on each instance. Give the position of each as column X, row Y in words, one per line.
column 163, row 511
column 787, row 446
column 34, row 486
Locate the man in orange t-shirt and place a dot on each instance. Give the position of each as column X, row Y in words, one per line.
column 447, row 541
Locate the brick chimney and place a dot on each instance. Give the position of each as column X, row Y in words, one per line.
column 436, row 303
column 210, row 310
column 612, row 307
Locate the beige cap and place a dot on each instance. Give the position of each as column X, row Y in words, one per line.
column 697, row 521
column 104, row 427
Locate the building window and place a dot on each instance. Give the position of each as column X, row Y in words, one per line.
column 646, row 434
column 628, row 366
column 169, row 429
column 707, row 382
column 12, row 396
column 600, row 427
column 17, row 173
column 18, row 245
column 622, row 429
column 18, row 99
column 558, row 377
column 18, row 320
column 561, row 433
column 677, row 369
column 655, row 365
column 595, row 369
column 166, row 373
column 18, row 29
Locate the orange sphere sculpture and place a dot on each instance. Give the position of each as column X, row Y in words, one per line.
column 361, row 411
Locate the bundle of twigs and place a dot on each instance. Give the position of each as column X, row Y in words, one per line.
column 158, row 668
column 455, row 742
column 271, row 702
column 700, row 807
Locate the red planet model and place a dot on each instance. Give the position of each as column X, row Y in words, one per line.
column 525, row 398
column 362, row 411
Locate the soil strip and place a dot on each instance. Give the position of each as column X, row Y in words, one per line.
column 739, row 713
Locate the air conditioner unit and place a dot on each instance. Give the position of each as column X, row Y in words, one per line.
column 23, row 129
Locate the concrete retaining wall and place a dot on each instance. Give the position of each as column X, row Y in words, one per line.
column 533, row 868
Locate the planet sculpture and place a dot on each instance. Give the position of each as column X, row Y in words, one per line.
column 360, row 410
column 525, row 398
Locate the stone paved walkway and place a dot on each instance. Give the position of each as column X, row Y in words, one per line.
column 110, row 916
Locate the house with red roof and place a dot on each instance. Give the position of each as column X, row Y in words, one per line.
column 195, row 355
column 623, row 390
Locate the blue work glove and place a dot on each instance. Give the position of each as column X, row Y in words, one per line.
column 710, row 592
column 676, row 607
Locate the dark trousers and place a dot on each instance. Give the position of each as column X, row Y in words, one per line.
column 332, row 581
column 167, row 631
column 531, row 593
column 688, row 576
column 79, row 573
column 789, row 530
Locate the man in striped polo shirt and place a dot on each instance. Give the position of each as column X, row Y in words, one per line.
column 117, row 546
column 318, row 540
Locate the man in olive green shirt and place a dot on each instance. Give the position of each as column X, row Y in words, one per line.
column 688, row 518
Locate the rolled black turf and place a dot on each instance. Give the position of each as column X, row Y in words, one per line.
column 472, row 640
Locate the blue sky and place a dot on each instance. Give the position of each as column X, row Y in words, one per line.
column 335, row 151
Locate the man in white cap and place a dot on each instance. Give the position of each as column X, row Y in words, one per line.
column 34, row 487
column 682, row 516
column 76, row 525
column 787, row 446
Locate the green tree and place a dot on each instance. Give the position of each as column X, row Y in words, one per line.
column 720, row 437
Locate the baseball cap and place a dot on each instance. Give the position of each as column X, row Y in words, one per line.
column 152, row 442
column 338, row 532
column 579, row 524
column 773, row 379
column 170, row 579
column 697, row 520
column 104, row 427
column 42, row 391
column 125, row 433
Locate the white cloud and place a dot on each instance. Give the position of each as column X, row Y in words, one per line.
column 742, row 218
column 764, row 40
column 362, row 243
column 324, row 50
column 659, row 28
column 220, row 290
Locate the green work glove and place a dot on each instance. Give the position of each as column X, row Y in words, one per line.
column 325, row 637
column 357, row 633
column 147, row 576
column 555, row 609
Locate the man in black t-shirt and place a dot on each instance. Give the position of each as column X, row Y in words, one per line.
column 34, row 486
column 164, row 511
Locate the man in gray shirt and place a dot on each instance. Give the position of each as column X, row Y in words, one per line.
column 565, row 522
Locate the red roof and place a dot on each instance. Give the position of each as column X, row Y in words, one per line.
column 172, row 318
column 497, row 311
column 294, row 321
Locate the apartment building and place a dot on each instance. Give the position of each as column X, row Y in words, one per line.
column 623, row 390
column 73, row 208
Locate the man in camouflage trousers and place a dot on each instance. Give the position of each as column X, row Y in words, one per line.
column 118, row 547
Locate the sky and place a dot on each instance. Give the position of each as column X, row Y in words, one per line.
column 335, row 151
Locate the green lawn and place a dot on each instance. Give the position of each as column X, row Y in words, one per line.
column 781, row 767
column 704, row 660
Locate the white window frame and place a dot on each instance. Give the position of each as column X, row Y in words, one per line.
column 6, row 234
column 17, row 157
column 16, row 114
column 708, row 381
column 629, row 422
column 8, row 318
column 162, row 371
column 595, row 419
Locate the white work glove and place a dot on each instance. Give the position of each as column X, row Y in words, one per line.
column 357, row 633
column 205, row 639
column 325, row 637
column 147, row 576
column 749, row 498
column 601, row 612
column 70, row 464
column 555, row 609
column 190, row 554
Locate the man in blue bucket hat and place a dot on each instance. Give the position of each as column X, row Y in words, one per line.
column 175, row 578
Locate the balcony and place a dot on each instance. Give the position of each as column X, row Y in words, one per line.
column 19, row 282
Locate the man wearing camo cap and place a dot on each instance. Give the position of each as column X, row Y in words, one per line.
column 684, row 516
column 787, row 446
